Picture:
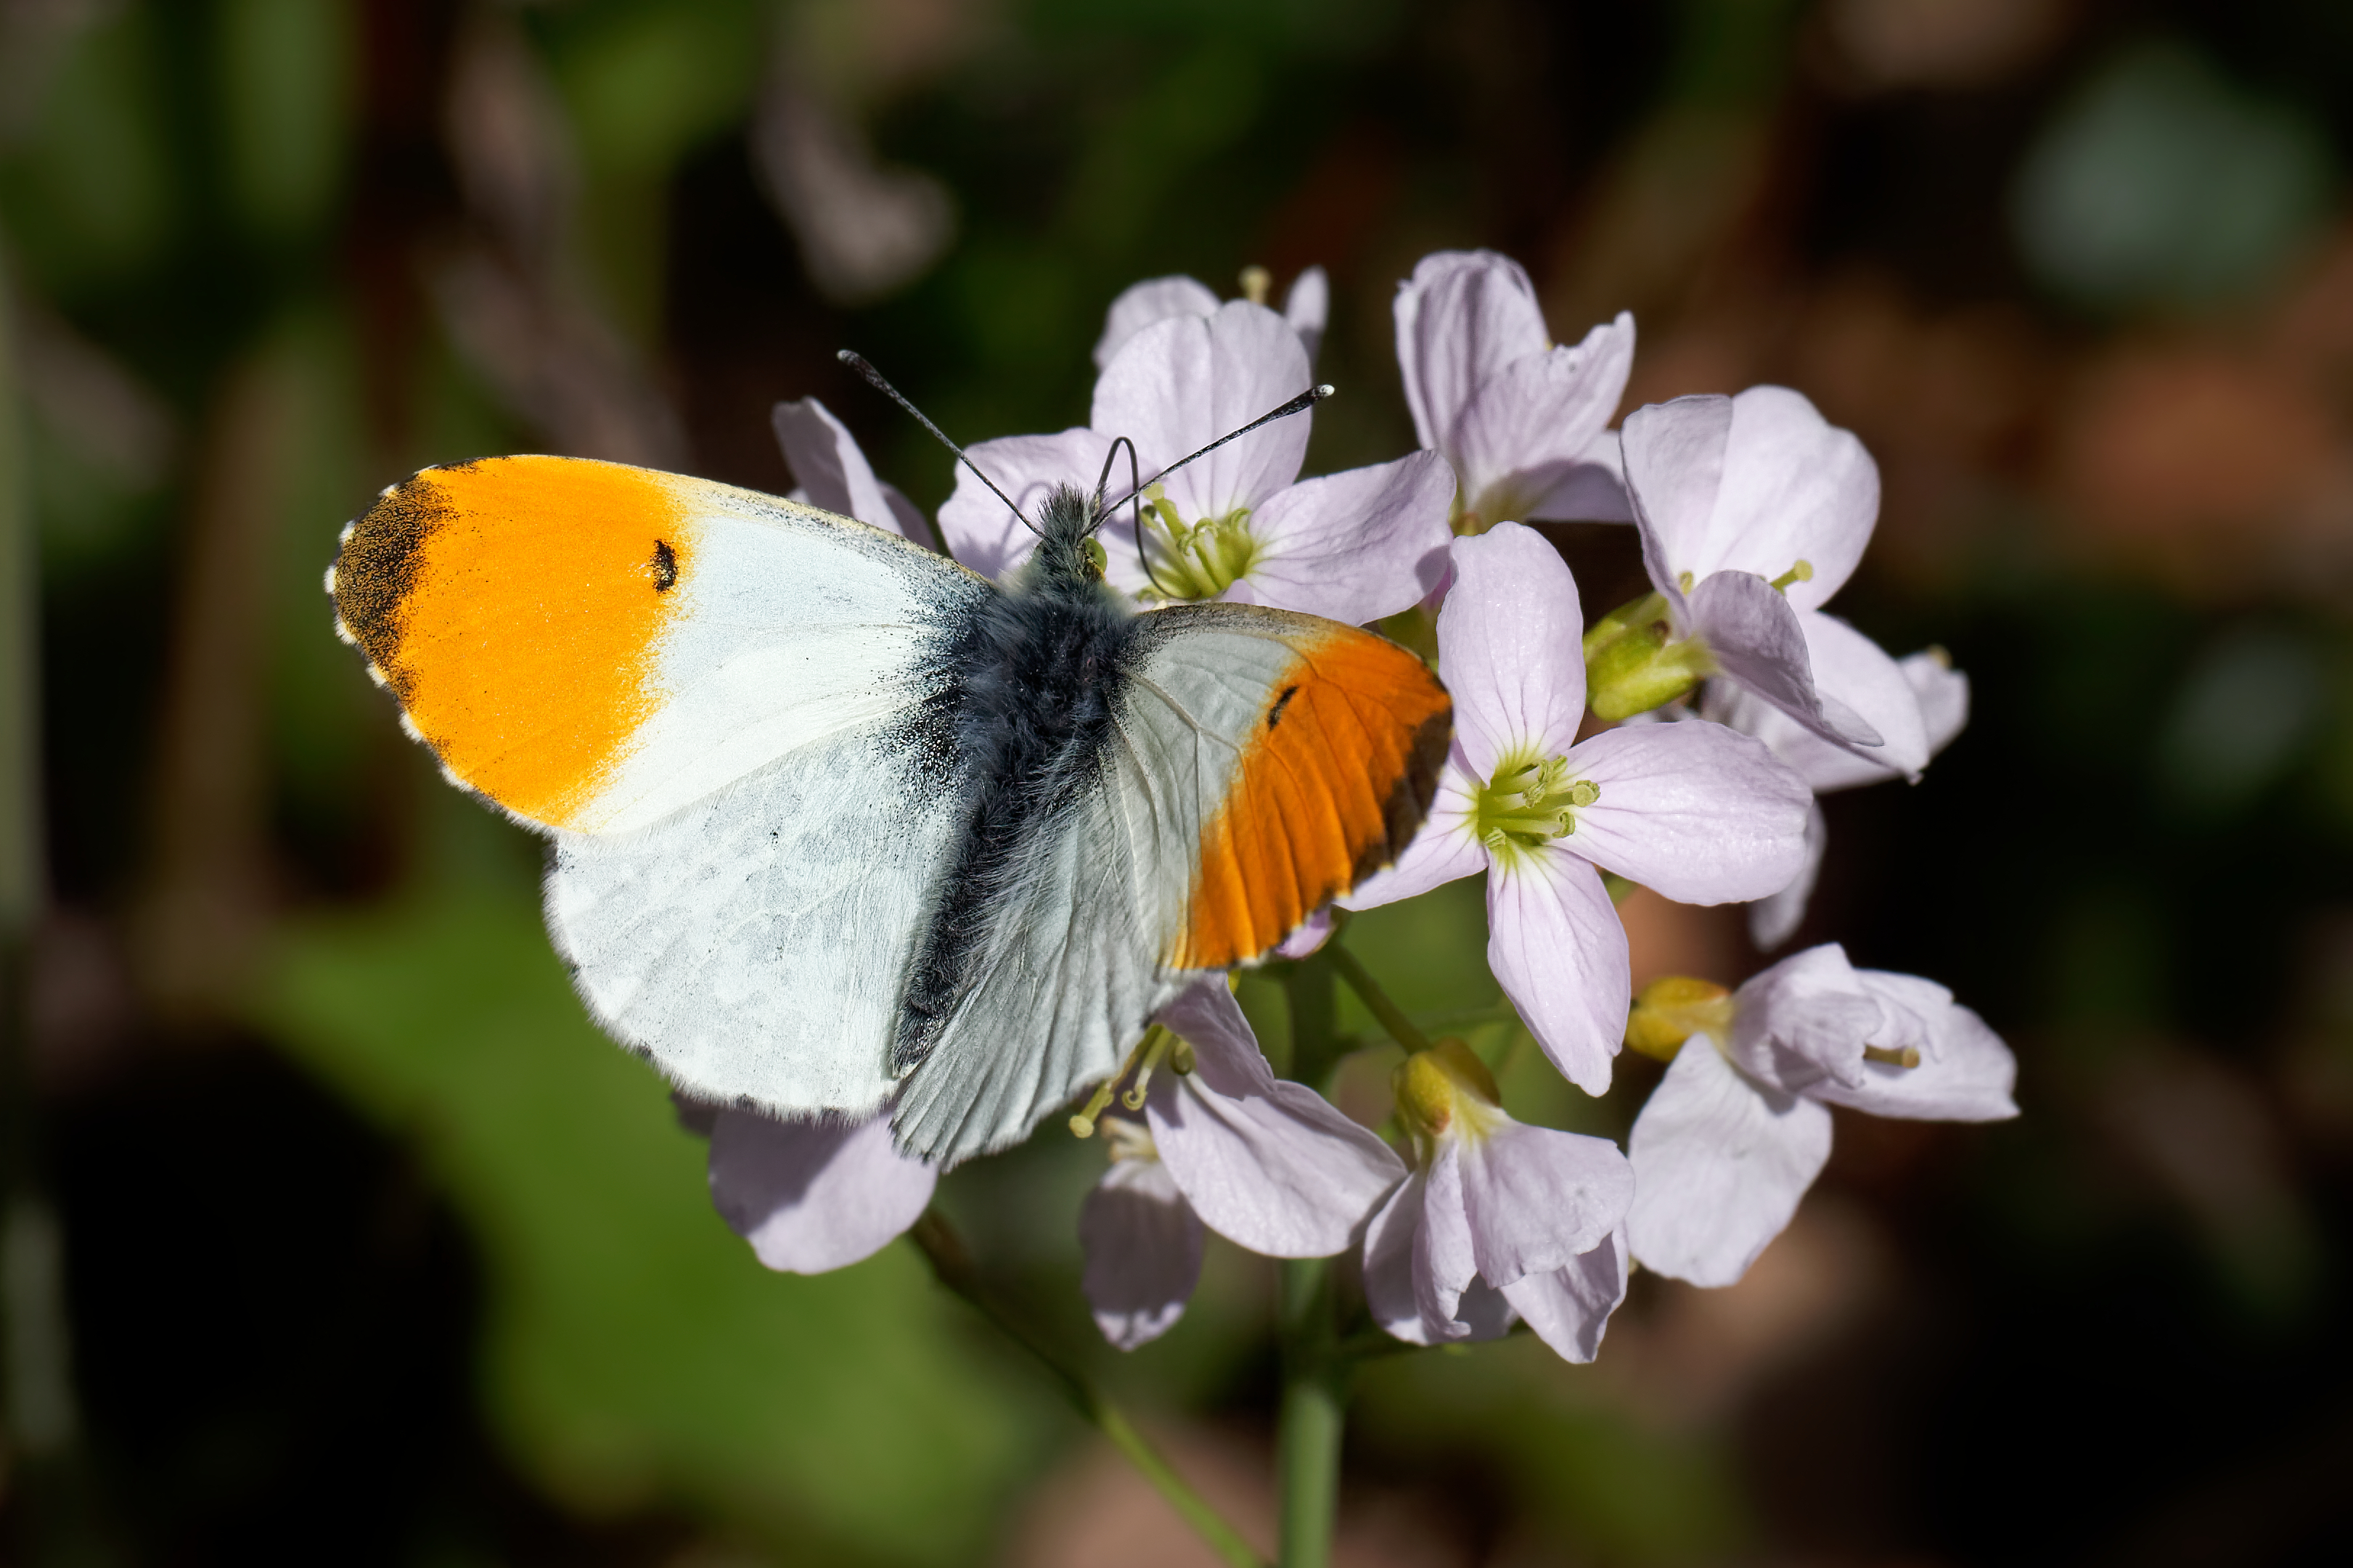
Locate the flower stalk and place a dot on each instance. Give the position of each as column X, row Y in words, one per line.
column 952, row 1265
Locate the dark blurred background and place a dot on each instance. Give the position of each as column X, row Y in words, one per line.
column 335, row 1234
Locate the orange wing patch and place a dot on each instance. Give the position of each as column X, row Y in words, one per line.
column 514, row 604
column 1330, row 789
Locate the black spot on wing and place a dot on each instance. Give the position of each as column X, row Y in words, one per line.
column 665, row 564
column 1275, row 714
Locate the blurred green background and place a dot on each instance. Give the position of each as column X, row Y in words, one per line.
column 336, row 1233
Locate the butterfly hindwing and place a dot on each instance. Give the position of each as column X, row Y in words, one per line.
column 1260, row 763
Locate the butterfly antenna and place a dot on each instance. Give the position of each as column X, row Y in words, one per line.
column 1135, row 501
column 858, row 363
column 1299, row 404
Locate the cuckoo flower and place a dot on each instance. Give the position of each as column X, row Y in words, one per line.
column 1752, row 511
column 1740, row 1126
column 1353, row 546
column 1498, row 1220
column 1943, row 694
column 814, row 1196
column 1699, row 812
column 831, row 473
column 1524, row 423
column 1306, row 305
column 1268, row 1164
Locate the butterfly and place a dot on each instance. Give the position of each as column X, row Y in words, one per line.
column 838, row 823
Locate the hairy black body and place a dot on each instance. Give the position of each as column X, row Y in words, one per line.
column 1030, row 706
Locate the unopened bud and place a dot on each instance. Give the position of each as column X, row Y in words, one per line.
column 1632, row 667
column 1671, row 1009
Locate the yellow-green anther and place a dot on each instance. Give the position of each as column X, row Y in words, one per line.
column 1194, row 561
column 1157, row 1043
column 1803, row 572
column 1527, row 804
column 1256, row 280
column 1894, row 1057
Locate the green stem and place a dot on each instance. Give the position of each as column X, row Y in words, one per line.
column 952, row 1265
column 1387, row 1014
column 1314, row 1414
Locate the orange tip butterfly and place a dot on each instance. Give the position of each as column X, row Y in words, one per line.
column 838, row 822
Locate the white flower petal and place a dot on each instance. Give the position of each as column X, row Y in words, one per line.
column 1141, row 304
column 1443, row 851
column 1759, row 641
column 1391, row 1239
column 1556, row 945
column 1720, row 1162
column 1183, row 382
column 1143, row 1249
column 1773, row 919
column 1569, row 1308
column 1827, row 766
column 1530, row 425
column 1703, row 813
column 1591, row 489
column 1461, row 319
column 812, row 1197
column 1353, row 546
column 1307, row 306
column 1674, row 466
column 1302, row 942
column 1510, row 649
column 835, row 475
column 1266, row 1164
column 1796, row 488
column 1851, row 669
column 1802, row 1022
column 987, row 539
column 1537, row 1198
column 1966, row 1073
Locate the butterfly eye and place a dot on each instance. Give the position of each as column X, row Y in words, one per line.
column 1097, row 557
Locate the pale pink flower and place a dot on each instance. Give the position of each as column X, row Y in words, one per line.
column 1740, row 1126
column 1238, row 525
column 1269, row 1164
column 1499, row 1220
column 1700, row 813
column 1752, row 511
column 1522, row 422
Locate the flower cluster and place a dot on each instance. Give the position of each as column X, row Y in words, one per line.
column 1677, row 743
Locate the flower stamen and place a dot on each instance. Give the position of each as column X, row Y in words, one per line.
column 1528, row 804
column 1199, row 560
column 1893, row 1056
column 1803, row 572
column 1157, row 1045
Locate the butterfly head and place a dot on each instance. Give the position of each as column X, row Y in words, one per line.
column 1069, row 557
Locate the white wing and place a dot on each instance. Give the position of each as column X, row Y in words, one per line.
column 756, row 945
column 723, row 709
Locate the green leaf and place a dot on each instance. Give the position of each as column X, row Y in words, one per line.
column 635, row 1352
